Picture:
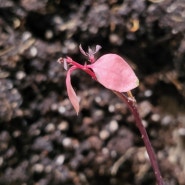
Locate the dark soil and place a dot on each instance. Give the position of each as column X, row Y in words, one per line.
column 42, row 141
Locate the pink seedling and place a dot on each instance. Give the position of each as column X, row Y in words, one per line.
column 114, row 73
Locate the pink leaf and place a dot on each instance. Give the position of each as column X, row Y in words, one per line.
column 71, row 93
column 114, row 73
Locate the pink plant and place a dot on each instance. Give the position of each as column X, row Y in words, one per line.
column 110, row 70
column 114, row 73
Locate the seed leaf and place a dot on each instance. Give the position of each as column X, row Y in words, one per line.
column 70, row 91
column 114, row 73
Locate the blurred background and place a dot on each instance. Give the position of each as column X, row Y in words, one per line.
column 42, row 141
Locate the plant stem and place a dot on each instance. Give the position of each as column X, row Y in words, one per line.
column 130, row 101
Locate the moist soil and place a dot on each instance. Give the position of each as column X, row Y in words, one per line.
column 42, row 140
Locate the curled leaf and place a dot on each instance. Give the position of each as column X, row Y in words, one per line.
column 98, row 47
column 70, row 91
column 114, row 73
column 65, row 64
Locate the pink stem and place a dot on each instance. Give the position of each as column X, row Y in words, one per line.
column 132, row 106
column 86, row 68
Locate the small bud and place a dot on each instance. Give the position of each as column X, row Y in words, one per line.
column 82, row 51
column 65, row 64
column 98, row 47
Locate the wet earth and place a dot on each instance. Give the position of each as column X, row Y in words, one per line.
column 42, row 141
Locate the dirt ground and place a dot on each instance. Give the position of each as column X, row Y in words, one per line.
column 42, row 141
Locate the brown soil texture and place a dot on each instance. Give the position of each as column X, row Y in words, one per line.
column 42, row 141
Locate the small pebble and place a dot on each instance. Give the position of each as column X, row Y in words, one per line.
column 111, row 108
column 54, row 107
column 145, row 123
column 61, row 109
column 98, row 99
column 63, row 126
column 155, row 117
column 35, row 132
column 148, row 93
column 26, row 36
column 145, row 108
column 10, row 152
column 105, row 151
column 50, row 128
column 49, row 34
column 60, row 159
column 97, row 115
column 115, row 39
column 16, row 133
column 48, row 168
column 71, row 46
column 93, row 30
column 20, row 75
column 38, row 168
column 42, row 144
column 87, row 121
column 67, row 142
column 4, row 136
column 181, row 132
column 113, row 126
column 57, row 20
column 16, row 23
column 113, row 154
column 33, row 51
column 104, row 134
column 166, row 120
